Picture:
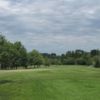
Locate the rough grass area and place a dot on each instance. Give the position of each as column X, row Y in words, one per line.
column 53, row 83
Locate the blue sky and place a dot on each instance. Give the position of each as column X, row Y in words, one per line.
column 52, row 25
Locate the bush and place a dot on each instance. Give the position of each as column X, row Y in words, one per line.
column 69, row 61
column 97, row 62
column 81, row 61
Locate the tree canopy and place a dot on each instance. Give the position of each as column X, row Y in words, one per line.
column 15, row 55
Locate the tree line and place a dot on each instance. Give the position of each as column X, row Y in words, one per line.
column 15, row 55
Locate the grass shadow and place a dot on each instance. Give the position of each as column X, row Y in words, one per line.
column 5, row 81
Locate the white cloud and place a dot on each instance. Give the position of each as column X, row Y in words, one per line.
column 51, row 23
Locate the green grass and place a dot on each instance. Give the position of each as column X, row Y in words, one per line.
column 53, row 83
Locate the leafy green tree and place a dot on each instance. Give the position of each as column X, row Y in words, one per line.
column 94, row 52
column 81, row 61
column 47, row 61
column 14, row 55
column 35, row 58
column 97, row 62
column 21, row 55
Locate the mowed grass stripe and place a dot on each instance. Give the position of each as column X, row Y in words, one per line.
column 53, row 83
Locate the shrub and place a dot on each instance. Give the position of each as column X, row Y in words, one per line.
column 97, row 62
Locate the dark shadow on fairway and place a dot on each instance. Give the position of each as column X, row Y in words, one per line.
column 5, row 81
